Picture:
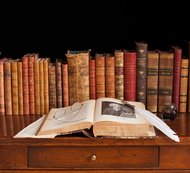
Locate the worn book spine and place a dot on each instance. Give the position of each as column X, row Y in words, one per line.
column 110, row 76
column 52, row 86
column 177, row 76
column 46, row 85
column 130, row 58
column 119, row 74
column 142, row 54
column 65, row 83
column 152, row 81
column 92, row 78
column 100, row 75
column 20, row 88
column 8, row 91
column 2, row 95
column 58, row 67
column 37, row 85
column 14, row 87
column 78, row 67
column 41, row 70
column 25, row 84
column 184, row 85
column 188, row 104
column 165, row 79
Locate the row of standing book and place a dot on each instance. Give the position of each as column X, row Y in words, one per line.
column 33, row 85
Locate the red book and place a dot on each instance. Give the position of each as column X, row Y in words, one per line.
column 92, row 78
column 130, row 75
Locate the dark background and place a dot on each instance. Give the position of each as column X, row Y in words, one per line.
column 51, row 28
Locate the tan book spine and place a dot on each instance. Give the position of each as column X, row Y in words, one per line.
column 78, row 67
column 152, row 81
column 46, row 86
column 37, row 86
column 58, row 66
column 20, row 88
column 119, row 74
column 65, row 80
column 41, row 70
column 31, row 60
column 184, row 85
column 52, row 86
column 110, row 76
column 165, row 79
column 14, row 82
column 8, row 92
column 2, row 95
column 100, row 75
column 25, row 85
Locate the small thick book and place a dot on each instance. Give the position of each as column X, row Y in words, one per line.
column 106, row 117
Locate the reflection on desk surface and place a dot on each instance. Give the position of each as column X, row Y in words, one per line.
column 12, row 124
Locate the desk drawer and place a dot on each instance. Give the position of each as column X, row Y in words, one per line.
column 93, row 157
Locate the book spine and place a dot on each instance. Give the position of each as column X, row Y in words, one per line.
column 184, row 85
column 46, row 86
column 130, row 75
column 110, row 76
column 100, row 75
column 25, row 85
column 152, row 81
column 142, row 53
column 20, row 88
column 165, row 79
column 8, row 92
column 65, row 85
column 119, row 75
column 2, row 95
column 52, row 86
column 176, row 77
column 59, row 83
column 14, row 82
column 41, row 70
column 92, row 78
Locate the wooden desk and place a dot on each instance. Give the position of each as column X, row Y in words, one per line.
column 81, row 154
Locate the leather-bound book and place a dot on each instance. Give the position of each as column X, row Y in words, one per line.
column 92, row 78
column 165, row 79
column 65, row 83
column 119, row 76
column 130, row 58
column 152, row 81
column 110, row 76
column 184, row 85
column 78, row 68
column 177, row 76
column 142, row 54
column 100, row 75
column 41, row 70
column 20, row 88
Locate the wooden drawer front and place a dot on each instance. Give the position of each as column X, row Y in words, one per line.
column 175, row 157
column 93, row 157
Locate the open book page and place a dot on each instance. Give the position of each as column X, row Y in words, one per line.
column 31, row 130
column 109, row 109
column 72, row 118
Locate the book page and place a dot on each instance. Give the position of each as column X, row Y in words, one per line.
column 31, row 130
column 69, row 118
column 108, row 109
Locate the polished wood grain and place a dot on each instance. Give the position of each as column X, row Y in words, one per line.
column 78, row 153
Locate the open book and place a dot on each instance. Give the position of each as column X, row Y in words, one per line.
column 107, row 117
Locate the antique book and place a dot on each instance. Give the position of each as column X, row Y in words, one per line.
column 104, row 117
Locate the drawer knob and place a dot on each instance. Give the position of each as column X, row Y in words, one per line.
column 93, row 157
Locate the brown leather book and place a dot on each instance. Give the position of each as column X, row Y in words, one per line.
column 100, row 75
column 65, row 81
column 41, row 70
column 142, row 54
column 119, row 74
column 184, row 85
column 130, row 58
column 20, row 88
column 165, row 79
column 152, row 81
column 92, row 78
column 110, row 76
column 78, row 67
